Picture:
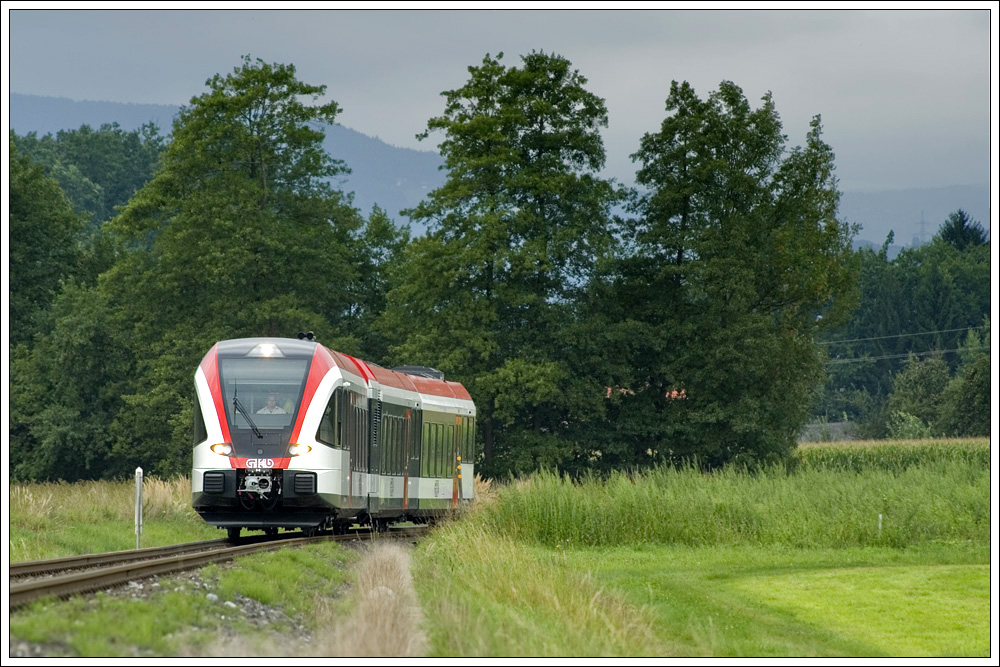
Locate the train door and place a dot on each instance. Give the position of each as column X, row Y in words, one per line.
column 374, row 455
column 415, row 429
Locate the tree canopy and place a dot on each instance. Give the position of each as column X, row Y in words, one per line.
column 738, row 262
column 514, row 236
column 597, row 328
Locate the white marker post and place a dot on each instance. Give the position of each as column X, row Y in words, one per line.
column 138, row 505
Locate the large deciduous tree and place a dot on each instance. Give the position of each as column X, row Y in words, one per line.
column 739, row 260
column 239, row 234
column 513, row 237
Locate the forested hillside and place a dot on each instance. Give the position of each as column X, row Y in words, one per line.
column 711, row 321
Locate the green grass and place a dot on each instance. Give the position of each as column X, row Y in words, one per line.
column 782, row 562
column 811, row 508
column 778, row 563
column 52, row 520
column 483, row 594
column 752, row 601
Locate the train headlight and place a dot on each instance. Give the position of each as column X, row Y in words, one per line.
column 298, row 450
column 222, row 449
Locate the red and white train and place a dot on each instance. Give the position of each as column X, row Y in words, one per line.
column 290, row 434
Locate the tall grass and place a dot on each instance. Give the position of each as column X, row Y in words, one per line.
column 485, row 594
column 49, row 520
column 816, row 506
column 892, row 455
column 40, row 503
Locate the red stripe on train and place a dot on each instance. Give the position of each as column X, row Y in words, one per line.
column 322, row 362
column 210, row 367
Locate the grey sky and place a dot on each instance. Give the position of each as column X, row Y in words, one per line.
column 904, row 95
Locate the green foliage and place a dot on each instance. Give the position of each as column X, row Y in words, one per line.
column 961, row 231
column 514, row 234
column 738, row 262
column 67, row 391
column 904, row 426
column 98, row 169
column 917, row 393
column 44, row 234
column 929, row 298
column 238, row 234
column 967, row 406
column 893, row 457
column 381, row 247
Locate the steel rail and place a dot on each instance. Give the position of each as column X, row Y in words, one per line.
column 99, row 578
column 36, row 567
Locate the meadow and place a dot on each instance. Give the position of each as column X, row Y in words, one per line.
column 788, row 561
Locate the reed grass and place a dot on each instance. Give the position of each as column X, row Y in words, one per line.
column 821, row 504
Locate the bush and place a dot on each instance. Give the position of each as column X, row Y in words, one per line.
column 904, row 426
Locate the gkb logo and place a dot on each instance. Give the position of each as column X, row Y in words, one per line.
column 260, row 463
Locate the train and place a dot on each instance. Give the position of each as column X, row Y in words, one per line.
column 291, row 435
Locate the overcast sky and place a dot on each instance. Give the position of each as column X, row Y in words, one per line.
column 904, row 95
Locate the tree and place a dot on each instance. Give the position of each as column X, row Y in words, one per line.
column 925, row 300
column 961, row 231
column 44, row 244
column 739, row 261
column 98, row 169
column 238, row 234
column 514, row 234
column 919, row 390
column 966, row 404
column 381, row 246
column 66, row 390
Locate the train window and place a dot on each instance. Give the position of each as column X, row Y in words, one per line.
column 266, row 390
column 438, row 446
column 200, row 432
column 387, row 454
column 327, row 432
column 424, row 438
column 448, row 460
column 468, row 443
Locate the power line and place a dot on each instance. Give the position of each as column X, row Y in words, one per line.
column 906, row 335
column 903, row 356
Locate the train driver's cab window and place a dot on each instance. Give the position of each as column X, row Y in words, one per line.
column 266, row 390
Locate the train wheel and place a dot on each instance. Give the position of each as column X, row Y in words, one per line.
column 233, row 534
column 271, row 531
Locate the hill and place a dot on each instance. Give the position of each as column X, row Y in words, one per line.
column 395, row 178
column 398, row 178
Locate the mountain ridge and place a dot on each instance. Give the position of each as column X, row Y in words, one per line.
column 397, row 178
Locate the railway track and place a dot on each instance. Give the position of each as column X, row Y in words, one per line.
column 63, row 577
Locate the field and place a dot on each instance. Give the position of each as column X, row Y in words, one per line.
column 879, row 549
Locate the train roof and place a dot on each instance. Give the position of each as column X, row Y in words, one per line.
column 290, row 347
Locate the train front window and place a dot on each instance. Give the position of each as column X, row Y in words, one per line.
column 268, row 390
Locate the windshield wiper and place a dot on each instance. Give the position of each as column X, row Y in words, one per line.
column 242, row 411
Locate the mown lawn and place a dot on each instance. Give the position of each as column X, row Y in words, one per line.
column 750, row 601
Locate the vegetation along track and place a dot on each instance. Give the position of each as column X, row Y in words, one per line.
column 62, row 577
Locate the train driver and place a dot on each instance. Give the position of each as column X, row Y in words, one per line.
column 272, row 407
